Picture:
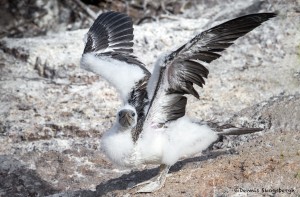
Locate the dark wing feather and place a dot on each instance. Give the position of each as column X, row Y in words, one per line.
column 182, row 68
column 174, row 108
column 139, row 99
column 221, row 36
column 206, row 56
column 110, row 31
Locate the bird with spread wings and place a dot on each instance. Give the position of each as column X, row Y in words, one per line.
column 151, row 126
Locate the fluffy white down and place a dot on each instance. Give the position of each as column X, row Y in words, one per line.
column 117, row 143
column 182, row 139
column 118, row 146
column 127, row 106
column 120, row 74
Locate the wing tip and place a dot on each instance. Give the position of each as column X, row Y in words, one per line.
column 259, row 18
column 272, row 14
column 268, row 15
column 109, row 29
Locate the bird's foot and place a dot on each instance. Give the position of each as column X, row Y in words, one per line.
column 140, row 184
column 155, row 183
column 151, row 187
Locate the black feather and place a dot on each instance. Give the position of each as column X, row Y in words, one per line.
column 124, row 38
column 110, row 30
column 175, row 108
column 124, row 45
column 184, row 70
column 181, row 68
column 205, row 56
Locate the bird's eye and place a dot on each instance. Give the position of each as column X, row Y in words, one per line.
column 133, row 114
column 120, row 114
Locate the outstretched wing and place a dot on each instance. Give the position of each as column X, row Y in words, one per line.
column 176, row 73
column 108, row 52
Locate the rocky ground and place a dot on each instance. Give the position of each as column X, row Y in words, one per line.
column 52, row 114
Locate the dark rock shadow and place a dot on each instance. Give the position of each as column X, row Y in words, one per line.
column 110, row 187
column 17, row 180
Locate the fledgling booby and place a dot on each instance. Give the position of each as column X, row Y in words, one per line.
column 151, row 126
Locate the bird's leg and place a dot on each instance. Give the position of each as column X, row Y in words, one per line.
column 157, row 182
column 161, row 168
column 160, row 178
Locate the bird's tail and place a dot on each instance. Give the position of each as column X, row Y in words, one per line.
column 238, row 131
column 229, row 129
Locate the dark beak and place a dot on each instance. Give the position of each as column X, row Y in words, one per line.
column 125, row 119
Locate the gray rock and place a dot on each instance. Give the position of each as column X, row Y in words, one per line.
column 52, row 114
column 18, row 180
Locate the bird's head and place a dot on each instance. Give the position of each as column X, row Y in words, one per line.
column 127, row 118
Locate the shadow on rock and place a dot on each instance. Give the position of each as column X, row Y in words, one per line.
column 17, row 180
column 196, row 161
column 112, row 186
